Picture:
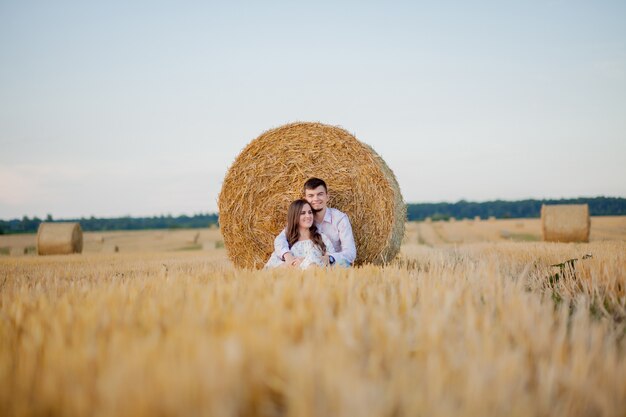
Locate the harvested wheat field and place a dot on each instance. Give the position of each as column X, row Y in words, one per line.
column 484, row 326
column 503, row 230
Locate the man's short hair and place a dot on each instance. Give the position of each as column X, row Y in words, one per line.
column 313, row 183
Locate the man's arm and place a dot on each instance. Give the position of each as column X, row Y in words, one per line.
column 281, row 247
column 330, row 248
column 348, row 248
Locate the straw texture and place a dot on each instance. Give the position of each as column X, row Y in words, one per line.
column 59, row 238
column 565, row 223
column 270, row 172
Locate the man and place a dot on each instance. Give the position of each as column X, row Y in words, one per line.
column 329, row 221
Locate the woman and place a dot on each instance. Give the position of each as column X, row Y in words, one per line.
column 303, row 238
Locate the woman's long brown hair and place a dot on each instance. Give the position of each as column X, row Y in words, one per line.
column 292, row 231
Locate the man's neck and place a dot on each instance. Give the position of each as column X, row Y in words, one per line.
column 319, row 216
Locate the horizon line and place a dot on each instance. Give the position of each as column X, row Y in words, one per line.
column 208, row 213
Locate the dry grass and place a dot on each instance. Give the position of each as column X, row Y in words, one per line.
column 503, row 230
column 473, row 329
column 141, row 241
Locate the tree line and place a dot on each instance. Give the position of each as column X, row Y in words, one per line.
column 598, row 206
column 500, row 209
column 92, row 224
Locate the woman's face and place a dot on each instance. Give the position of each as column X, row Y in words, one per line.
column 306, row 217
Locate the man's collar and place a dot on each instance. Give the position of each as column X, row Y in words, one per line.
column 327, row 217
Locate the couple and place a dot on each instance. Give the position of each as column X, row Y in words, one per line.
column 315, row 234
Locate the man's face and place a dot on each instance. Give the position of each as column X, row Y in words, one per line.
column 317, row 197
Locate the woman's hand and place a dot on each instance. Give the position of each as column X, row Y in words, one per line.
column 296, row 262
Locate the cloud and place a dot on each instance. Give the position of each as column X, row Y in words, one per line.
column 72, row 188
column 17, row 188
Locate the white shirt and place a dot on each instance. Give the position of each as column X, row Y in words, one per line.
column 336, row 226
column 311, row 254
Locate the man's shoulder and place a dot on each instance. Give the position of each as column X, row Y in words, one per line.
column 336, row 212
column 338, row 215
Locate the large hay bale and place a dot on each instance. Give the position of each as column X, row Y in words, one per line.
column 270, row 172
column 565, row 223
column 59, row 238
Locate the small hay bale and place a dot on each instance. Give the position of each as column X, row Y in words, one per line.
column 270, row 173
column 59, row 238
column 477, row 219
column 565, row 223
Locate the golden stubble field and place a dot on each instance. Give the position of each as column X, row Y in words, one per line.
column 472, row 319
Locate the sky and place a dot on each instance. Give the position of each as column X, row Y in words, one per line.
column 139, row 108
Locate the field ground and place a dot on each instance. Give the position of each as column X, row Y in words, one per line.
column 472, row 319
column 430, row 234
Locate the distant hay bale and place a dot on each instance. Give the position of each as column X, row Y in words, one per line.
column 477, row 219
column 492, row 218
column 270, row 172
column 565, row 223
column 428, row 220
column 59, row 238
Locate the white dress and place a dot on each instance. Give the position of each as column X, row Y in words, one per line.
column 303, row 249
